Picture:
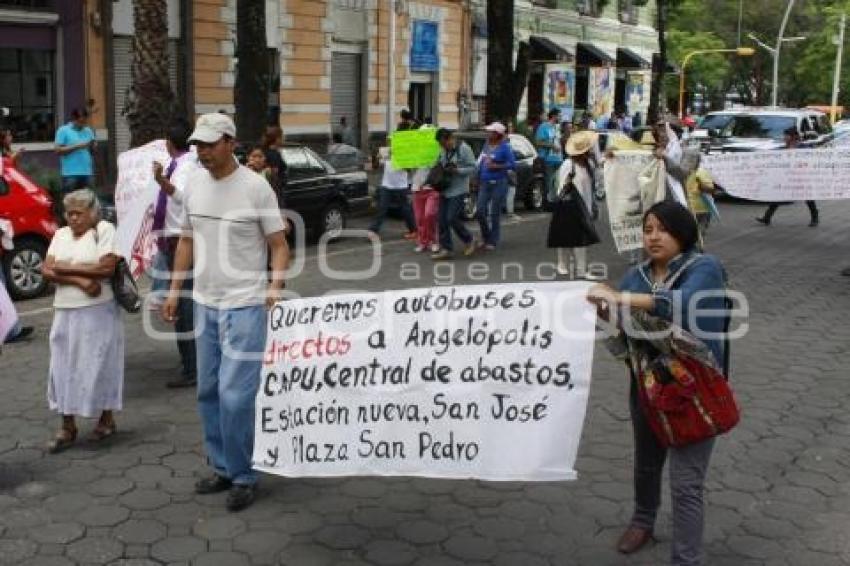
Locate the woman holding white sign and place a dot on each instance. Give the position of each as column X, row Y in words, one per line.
column 677, row 291
column 571, row 229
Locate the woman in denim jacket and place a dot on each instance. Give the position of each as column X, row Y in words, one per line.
column 682, row 286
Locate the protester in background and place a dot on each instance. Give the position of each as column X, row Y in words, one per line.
column 669, row 150
column 426, row 202
column 459, row 161
column 256, row 162
column 571, row 228
column 74, row 144
column 792, row 140
column 6, row 151
column 230, row 237
column 699, row 188
column 566, row 132
column 548, row 142
column 167, row 225
column 670, row 236
column 394, row 192
column 407, row 121
column 346, row 132
column 272, row 143
column 18, row 332
column 87, row 338
column 495, row 161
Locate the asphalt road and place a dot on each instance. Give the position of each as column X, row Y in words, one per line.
column 778, row 487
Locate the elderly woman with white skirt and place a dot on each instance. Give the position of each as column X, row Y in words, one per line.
column 87, row 338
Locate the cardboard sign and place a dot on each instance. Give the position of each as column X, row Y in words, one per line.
column 412, row 149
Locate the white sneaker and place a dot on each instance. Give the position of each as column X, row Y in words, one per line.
column 419, row 249
column 562, row 270
column 591, row 277
column 435, row 248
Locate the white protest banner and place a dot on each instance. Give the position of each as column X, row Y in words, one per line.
column 8, row 314
column 487, row 382
column 774, row 176
column 623, row 194
column 135, row 199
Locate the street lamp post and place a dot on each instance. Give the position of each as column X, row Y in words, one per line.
column 776, row 53
column 739, row 51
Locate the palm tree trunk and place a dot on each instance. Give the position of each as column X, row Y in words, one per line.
column 150, row 102
column 251, row 91
column 659, row 71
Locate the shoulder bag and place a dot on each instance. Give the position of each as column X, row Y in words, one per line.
column 123, row 285
column 683, row 393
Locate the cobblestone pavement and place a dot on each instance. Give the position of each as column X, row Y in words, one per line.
column 778, row 489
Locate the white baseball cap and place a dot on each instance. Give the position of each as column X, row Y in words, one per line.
column 497, row 127
column 211, row 127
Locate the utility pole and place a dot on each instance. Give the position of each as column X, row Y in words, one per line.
column 391, row 68
column 837, row 79
column 774, row 97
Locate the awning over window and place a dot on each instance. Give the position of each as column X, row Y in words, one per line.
column 588, row 55
column 628, row 59
column 544, row 49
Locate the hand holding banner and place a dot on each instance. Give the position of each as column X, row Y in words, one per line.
column 452, row 382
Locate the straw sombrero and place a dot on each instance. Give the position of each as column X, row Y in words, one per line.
column 581, row 142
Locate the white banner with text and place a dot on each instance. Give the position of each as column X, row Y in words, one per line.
column 623, row 196
column 487, row 382
column 776, row 176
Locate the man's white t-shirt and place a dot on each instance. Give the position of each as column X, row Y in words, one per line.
column 85, row 249
column 229, row 220
column 186, row 165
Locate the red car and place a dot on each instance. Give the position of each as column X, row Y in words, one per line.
column 30, row 210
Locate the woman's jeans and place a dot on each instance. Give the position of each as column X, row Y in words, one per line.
column 230, row 347
column 184, row 327
column 688, row 467
column 491, row 199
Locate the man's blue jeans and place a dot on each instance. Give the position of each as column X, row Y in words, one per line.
column 451, row 209
column 491, row 199
column 230, row 344
column 393, row 198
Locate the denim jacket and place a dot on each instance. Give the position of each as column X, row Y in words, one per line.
column 678, row 305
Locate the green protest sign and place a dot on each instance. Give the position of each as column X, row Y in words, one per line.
column 412, row 149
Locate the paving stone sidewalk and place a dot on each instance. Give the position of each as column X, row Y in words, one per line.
column 778, row 489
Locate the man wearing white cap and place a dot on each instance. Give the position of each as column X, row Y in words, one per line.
column 231, row 218
column 495, row 161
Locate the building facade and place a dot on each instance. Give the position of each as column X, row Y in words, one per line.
column 362, row 60
column 584, row 58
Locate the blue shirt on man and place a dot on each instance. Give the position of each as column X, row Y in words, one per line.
column 501, row 153
column 78, row 162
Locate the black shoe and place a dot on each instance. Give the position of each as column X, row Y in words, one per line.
column 241, row 496
column 763, row 220
column 22, row 335
column 182, row 381
column 814, row 222
column 212, row 484
column 846, row 272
